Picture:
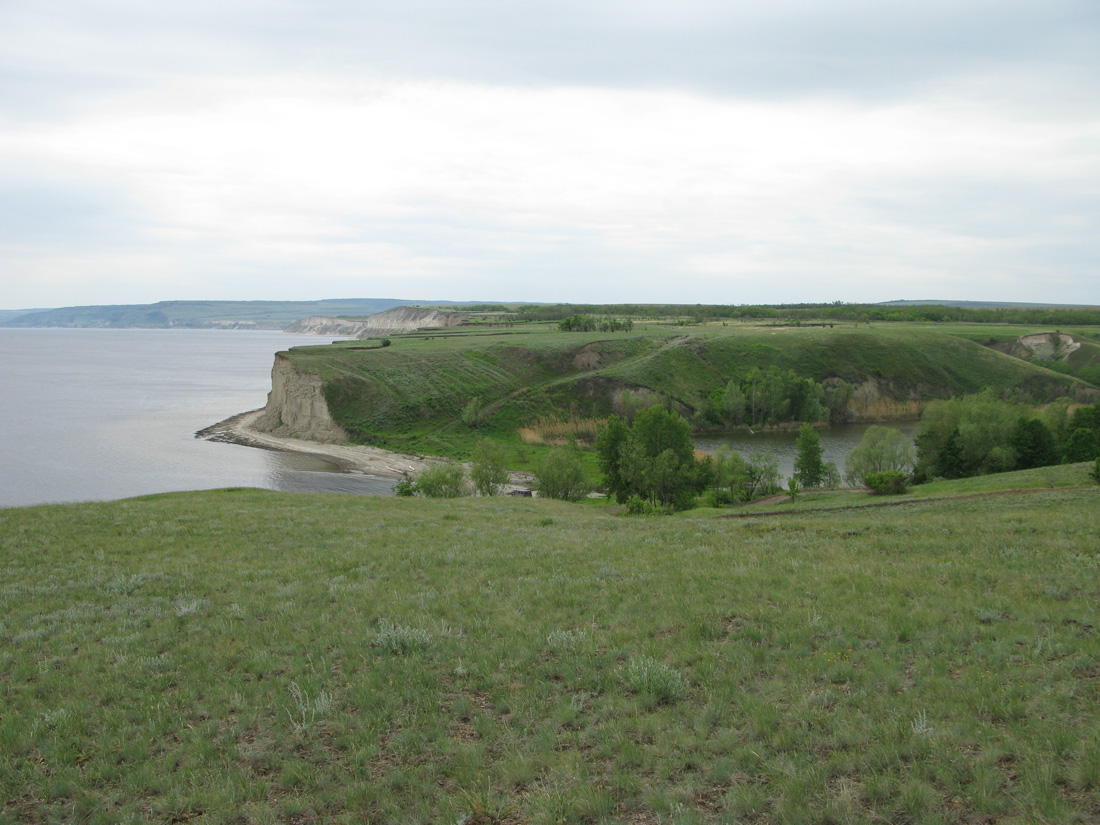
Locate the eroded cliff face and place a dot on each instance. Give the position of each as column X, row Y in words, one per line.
column 323, row 325
column 296, row 406
column 408, row 319
column 391, row 322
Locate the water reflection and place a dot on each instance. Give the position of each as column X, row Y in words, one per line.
column 836, row 442
column 297, row 473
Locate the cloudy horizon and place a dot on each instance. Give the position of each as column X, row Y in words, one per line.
column 719, row 153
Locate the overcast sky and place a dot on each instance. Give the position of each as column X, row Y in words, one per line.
column 604, row 150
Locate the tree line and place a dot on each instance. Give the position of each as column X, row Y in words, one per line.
column 982, row 434
column 828, row 312
column 651, row 464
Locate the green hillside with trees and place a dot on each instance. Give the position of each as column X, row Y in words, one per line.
column 436, row 392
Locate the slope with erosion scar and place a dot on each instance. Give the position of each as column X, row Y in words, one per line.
column 371, row 396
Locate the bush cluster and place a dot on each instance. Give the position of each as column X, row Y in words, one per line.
column 887, row 483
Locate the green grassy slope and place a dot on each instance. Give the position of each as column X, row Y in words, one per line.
column 250, row 656
column 411, row 395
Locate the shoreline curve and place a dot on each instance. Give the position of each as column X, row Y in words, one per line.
column 349, row 457
column 356, row 458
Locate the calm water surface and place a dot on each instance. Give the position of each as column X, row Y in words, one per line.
column 836, row 441
column 95, row 414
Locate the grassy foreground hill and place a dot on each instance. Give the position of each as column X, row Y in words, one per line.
column 414, row 394
column 246, row 656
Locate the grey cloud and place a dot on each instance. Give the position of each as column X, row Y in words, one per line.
column 851, row 47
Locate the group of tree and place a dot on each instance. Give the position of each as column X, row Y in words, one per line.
column 650, row 464
column 652, row 460
column 774, row 396
column 488, row 476
column 586, row 323
column 559, row 475
column 734, row 477
column 981, row 434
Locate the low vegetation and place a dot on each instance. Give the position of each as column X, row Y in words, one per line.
column 254, row 656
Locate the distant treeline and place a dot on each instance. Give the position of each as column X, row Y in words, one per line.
column 811, row 313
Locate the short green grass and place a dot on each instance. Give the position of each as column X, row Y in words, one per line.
column 247, row 656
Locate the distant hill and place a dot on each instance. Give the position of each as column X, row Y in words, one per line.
column 198, row 314
column 981, row 304
column 8, row 314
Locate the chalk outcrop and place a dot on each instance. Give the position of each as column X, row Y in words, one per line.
column 332, row 327
column 391, row 322
column 296, row 406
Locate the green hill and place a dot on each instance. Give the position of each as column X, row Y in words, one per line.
column 412, row 395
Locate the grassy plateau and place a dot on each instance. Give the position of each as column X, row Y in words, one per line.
column 247, row 656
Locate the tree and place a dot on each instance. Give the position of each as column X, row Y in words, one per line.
column 760, row 476
column 809, row 468
column 609, row 447
column 1082, row 445
column 976, row 427
column 882, row 449
column 734, row 402
column 726, row 466
column 488, row 471
column 1034, row 444
column 949, row 459
column 561, row 475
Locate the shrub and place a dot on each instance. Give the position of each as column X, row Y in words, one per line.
column 443, row 481
column 1095, row 472
column 488, row 471
column 561, row 475
column 793, row 487
column 399, row 639
column 472, row 412
column 637, row 506
column 654, row 680
column 887, row 483
column 405, row 487
column 882, row 449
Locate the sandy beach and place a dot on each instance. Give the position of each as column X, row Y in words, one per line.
column 351, row 457
column 371, row 460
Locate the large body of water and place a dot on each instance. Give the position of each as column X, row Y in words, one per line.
column 96, row 414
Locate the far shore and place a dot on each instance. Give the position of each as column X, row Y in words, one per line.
column 349, row 457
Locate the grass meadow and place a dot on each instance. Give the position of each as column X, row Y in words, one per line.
column 245, row 656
